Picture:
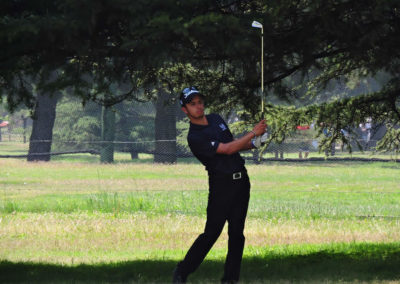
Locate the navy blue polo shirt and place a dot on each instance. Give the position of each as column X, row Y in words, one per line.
column 204, row 140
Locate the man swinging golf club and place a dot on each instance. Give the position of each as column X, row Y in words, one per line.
column 212, row 143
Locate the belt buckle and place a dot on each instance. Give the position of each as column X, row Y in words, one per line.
column 237, row 175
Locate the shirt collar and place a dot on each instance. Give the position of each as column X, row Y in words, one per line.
column 200, row 126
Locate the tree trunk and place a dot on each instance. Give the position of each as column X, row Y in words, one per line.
column 42, row 129
column 24, row 126
column 134, row 155
column 165, row 130
column 107, row 135
column 255, row 156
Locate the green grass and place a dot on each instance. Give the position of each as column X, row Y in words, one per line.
column 69, row 221
column 317, row 190
column 292, row 205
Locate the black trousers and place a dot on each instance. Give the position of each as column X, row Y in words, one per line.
column 228, row 200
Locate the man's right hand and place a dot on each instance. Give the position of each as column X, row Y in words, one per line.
column 260, row 128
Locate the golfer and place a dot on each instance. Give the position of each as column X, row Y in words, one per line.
column 212, row 143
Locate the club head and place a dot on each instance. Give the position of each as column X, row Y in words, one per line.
column 257, row 25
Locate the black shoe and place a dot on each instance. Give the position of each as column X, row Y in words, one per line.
column 178, row 277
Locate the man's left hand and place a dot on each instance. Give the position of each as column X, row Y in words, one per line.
column 260, row 140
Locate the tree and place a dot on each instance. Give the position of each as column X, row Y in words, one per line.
column 323, row 42
column 69, row 37
column 349, row 38
column 165, row 129
column 43, row 118
column 135, row 127
column 120, row 42
column 78, row 127
column 30, row 73
column 107, row 135
column 44, row 115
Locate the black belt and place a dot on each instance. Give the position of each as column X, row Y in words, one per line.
column 236, row 175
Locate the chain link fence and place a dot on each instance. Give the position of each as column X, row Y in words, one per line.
column 156, row 131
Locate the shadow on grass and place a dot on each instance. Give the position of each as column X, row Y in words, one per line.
column 380, row 262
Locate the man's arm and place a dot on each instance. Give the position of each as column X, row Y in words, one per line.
column 244, row 142
column 248, row 146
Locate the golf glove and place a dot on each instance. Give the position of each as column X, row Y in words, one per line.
column 260, row 140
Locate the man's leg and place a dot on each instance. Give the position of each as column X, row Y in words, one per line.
column 236, row 221
column 217, row 212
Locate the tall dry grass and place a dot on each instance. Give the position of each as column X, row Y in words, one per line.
column 88, row 238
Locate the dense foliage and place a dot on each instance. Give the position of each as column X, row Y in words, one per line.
column 110, row 51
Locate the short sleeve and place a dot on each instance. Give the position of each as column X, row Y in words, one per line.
column 201, row 145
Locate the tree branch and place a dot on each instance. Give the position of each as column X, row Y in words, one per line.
column 290, row 71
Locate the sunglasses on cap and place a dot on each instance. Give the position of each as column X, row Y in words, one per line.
column 188, row 94
column 190, row 90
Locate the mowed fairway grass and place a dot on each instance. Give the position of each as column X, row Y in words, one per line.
column 70, row 221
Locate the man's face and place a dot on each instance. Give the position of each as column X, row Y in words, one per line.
column 195, row 109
